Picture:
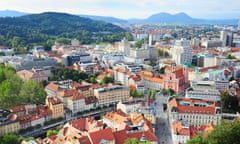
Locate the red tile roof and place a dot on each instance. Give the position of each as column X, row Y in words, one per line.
column 105, row 134
column 84, row 140
column 17, row 108
column 79, row 124
column 44, row 110
column 54, row 100
column 26, row 118
column 210, row 109
column 120, row 136
column 148, row 135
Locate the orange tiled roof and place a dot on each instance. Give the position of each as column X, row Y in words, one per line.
column 77, row 97
column 136, row 78
column 105, row 134
column 25, row 74
column 53, row 86
column 54, row 100
column 132, row 87
column 208, row 68
column 123, row 71
column 68, row 93
column 117, row 115
column 154, row 79
column 145, row 73
column 235, row 49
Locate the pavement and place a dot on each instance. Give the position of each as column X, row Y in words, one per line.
column 162, row 127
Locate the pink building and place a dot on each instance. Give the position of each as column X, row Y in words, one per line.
column 175, row 78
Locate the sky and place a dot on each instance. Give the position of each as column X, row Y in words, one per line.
column 126, row 9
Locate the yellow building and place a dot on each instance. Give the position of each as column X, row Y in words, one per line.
column 56, row 106
column 9, row 124
column 111, row 94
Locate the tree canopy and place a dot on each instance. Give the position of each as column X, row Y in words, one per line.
column 224, row 133
column 9, row 139
column 14, row 91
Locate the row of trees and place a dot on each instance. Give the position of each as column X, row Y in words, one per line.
column 14, row 91
column 134, row 93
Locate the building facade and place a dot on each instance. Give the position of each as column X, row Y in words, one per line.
column 56, row 106
column 111, row 94
column 194, row 112
column 181, row 52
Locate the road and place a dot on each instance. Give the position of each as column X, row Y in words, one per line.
column 163, row 131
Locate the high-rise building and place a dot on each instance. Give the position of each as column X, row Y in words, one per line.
column 124, row 46
column 223, row 38
column 181, row 52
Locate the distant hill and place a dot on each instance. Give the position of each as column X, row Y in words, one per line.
column 106, row 19
column 11, row 13
column 159, row 18
column 40, row 28
column 180, row 18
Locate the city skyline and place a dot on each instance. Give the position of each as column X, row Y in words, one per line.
column 214, row 9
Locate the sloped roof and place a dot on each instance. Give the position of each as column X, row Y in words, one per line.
column 105, row 134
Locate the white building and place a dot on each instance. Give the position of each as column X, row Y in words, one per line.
column 181, row 52
column 194, row 112
column 208, row 94
column 122, row 76
column 124, row 46
column 76, row 103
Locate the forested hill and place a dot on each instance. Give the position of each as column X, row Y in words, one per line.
column 46, row 27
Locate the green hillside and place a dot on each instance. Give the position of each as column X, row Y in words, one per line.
column 47, row 27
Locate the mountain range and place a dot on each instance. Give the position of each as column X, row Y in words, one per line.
column 159, row 18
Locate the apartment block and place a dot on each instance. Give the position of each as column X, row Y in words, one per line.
column 111, row 94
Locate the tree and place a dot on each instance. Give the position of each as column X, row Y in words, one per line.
column 231, row 56
column 131, row 141
column 133, row 93
column 164, row 91
column 32, row 92
column 154, row 94
column 149, row 93
column 225, row 132
column 197, row 140
column 51, row 132
column 107, row 80
column 9, row 139
column 229, row 102
column 172, row 92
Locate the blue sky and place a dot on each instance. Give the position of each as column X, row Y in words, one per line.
column 209, row 9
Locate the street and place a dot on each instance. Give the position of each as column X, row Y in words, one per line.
column 163, row 131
